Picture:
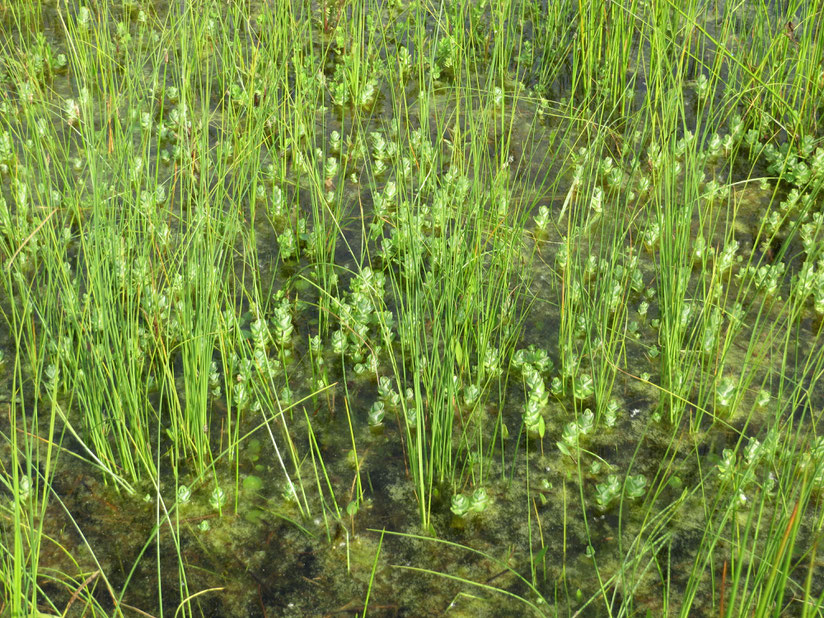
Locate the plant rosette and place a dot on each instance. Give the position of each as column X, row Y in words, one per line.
column 462, row 505
column 606, row 492
column 480, row 500
column 184, row 494
column 217, row 499
column 636, row 486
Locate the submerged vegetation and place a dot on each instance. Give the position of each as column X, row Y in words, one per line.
column 411, row 308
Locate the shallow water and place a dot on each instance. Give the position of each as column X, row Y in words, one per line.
column 261, row 556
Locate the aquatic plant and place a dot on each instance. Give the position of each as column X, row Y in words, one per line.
column 461, row 505
column 342, row 248
column 607, row 491
column 184, row 494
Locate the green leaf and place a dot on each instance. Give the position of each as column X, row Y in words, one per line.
column 457, row 350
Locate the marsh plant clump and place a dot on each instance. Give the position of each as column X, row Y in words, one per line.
column 410, row 307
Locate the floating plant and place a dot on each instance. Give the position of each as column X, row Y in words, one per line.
column 217, row 499
column 184, row 494
column 461, row 505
